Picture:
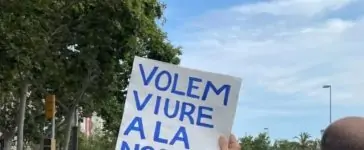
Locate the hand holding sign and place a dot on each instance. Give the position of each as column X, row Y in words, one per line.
column 231, row 144
column 170, row 107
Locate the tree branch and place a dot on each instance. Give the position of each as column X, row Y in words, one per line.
column 85, row 85
column 57, row 29
column 63, row 106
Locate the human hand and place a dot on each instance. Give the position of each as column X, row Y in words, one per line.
column 231, row 144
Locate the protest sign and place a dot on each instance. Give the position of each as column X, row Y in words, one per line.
column 174, row 108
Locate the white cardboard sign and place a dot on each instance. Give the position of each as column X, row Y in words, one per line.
column 174, row 108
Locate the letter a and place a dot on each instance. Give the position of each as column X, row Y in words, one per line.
column 136, row 125
column 181, row 135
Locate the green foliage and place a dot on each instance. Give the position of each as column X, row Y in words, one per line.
column 304, row 141
column 81, row 51
column 263, row 142
column 101, row 141
column 23, row 53
column 8, row 112
column 284, row 145
column 97, row 141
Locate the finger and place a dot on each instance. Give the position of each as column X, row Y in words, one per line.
column 233, row 142
column 232, row 138
column 223, row 142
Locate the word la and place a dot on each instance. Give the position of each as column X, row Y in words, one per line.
column 136, row 125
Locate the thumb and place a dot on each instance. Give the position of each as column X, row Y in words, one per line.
column 224, row 143
column 234, row 142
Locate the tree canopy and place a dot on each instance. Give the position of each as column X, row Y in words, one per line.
column 81, row 51
column 263, row 142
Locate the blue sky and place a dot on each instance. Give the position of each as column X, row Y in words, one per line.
column 284, row 50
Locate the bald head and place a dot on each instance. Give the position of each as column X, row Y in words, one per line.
column 344, row 134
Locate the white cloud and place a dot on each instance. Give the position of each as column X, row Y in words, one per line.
column 258, row 113
column 293, row 7
column 333, row 26
column 283, row 55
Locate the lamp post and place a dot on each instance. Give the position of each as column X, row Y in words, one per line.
column 267, row 134
column 329, row 87
column 266, row 130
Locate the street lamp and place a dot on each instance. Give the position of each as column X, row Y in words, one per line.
column 266, row 131
column 267, row 134
column 329, row 87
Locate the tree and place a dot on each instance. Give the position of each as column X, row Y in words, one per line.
column 304, row 141
column 261, row 142
column 315, row 144
column 24, row 47
column 247, row 143
column 284, row 145
column 91, row 77
column 149, row 41
column 8, row 113
column 99, row 140
column 106, row 39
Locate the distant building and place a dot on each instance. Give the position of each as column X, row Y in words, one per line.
column 90, row 125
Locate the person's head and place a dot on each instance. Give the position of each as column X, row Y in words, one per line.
column 344, row 134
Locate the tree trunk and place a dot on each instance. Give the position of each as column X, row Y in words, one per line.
column 7, row 143
column 41, row 143
column 35, row 146
column 72, row 113
column 23, row 101
column 69, row 123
